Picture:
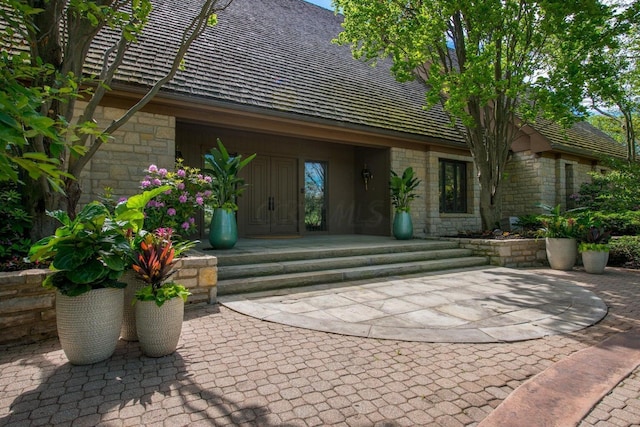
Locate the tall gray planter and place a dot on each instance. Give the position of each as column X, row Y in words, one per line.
column 561, row 252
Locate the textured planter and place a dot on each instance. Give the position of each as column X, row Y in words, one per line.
column 159, row 328
column 223, row 233
column 561, row 253
column 402, row 226
column 595, row 261
column 89, row 324
column 128, row 330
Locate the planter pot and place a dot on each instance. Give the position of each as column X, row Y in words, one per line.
column 561, row 253
column 223, row 233
column 159, row 328
column 128, row 330
column 402, row 226
column 595, row 261
column 89, row 324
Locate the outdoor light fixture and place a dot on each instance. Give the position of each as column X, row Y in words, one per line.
column 367, row 176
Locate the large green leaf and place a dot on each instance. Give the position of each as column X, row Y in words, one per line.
column 91, row 272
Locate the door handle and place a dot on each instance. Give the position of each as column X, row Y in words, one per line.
column 271, row 204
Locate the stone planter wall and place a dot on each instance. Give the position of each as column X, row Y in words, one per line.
column 508, row 253
column 27, row 310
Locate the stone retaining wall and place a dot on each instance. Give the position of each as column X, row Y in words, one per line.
column 27, row 310
column 508, row 253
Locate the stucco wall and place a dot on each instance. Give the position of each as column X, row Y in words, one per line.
column 120, row 163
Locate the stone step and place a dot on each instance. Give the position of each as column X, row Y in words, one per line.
column 321, row 264
column 279, row 281
column 282, row 255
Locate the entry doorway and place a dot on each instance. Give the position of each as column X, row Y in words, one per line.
column 315, row 196
column 269, row 205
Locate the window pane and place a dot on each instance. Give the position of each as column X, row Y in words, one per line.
column 453, row 188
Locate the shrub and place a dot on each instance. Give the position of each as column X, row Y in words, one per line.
column 615, row 191
column 14, row 230
column 625, row 252
column 176, row 208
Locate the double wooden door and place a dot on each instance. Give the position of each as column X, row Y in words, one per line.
column 270, row 205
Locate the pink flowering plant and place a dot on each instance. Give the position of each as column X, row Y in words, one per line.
column 177, row 207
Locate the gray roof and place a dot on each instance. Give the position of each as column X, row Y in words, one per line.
column 277, row 56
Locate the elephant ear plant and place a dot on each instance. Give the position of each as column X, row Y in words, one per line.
column 87, row 252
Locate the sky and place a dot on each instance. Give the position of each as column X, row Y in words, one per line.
column 323, row 3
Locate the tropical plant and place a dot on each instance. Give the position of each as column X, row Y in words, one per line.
column 225, row 169
column 402, row 189
column 187, row 189
column 87, row 252
column 557, row 225
column 154, row 266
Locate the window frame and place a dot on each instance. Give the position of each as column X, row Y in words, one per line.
column 460, row 186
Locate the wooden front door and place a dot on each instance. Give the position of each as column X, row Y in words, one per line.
column 270, row 202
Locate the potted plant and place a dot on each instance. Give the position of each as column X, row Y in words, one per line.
column 402, row 189
column 560, row 233
column 227, row 187
column 87, row 257
column 159, row 305
column 130, row 215
column 595, row 250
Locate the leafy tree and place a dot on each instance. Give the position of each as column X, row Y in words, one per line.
column 614, row 79
column 495, row 65
column 48, row 42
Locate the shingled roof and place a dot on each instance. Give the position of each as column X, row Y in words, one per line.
column 277, row 56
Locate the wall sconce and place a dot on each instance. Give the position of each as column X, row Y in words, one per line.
column 367, row 176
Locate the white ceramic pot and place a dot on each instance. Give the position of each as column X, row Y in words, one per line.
column 595, row 261
column 159, row 328
column 561, row 252
column 128, row 330
column 89, row 324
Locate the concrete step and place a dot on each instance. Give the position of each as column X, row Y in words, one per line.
column 279, row 281
column 282, row 255
column 321, row 264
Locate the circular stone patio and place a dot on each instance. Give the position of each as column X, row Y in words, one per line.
column 472, row 306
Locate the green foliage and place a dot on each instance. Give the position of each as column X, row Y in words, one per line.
column 87, row 252
column 224, row 169
column 490, row 64
column 402, row 189
column 618, row 190
column 14, row 229
column 596, row 247
column 163, row 293
column 557, row 224
column 625, row 252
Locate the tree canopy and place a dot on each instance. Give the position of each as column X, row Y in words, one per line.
column 47, row 43
column 494, row 65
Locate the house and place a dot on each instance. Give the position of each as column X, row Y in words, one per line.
column 268, row 80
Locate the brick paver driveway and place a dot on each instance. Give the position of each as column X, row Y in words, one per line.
column 235, row 370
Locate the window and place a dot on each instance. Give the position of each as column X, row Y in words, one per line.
column 453, row 186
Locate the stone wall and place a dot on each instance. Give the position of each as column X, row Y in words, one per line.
column 120, row 163
column 400, row 160
column 508, row 253
column 27, row 310
column 532, row 179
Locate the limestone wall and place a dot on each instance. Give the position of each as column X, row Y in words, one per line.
column 402, row 159
column 508, row 253
column 27, row 310
column 120, row 163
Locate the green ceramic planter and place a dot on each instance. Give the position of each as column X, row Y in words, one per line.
column 223, row 233
column 402, row 226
